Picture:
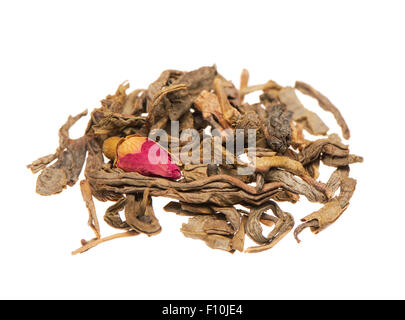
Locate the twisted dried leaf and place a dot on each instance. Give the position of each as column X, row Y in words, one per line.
column 332, row 161
column 92, row 243
column 331, row 211
column 197, row 227
column 109, row 123
column 88, row 199
column 244, row 80
column 265, row 163
column 283, row 225
column 296, row 185
column 230, row 114
column 325, row 105
column 139, row 214
column 331, row 146
column 278, row 133
column 112, row 217
column 311, row 121
column 238, row 240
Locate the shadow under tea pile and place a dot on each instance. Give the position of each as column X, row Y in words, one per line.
column 285, row 164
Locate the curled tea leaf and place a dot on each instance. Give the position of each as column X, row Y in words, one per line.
column 296, row 185
column 325, row 104
column 284, row 224
column 265, row 163
column 197, row 228
column 311, row 121
column 91, row 244
column 331, row 211
column 112, row 217
column 341, row 161
column 332, row 146
column 88, row 199
column 139, row 214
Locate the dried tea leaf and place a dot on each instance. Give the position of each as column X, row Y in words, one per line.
column 192, row 172
column 278, row 133
column 230, row 114
column 115, row 123
column 270, row 98
column 218, row 226
column 139, row 214
column 41, row 163
column 165, row 79
column 207, row 103
column 198, row 209
column 259, row 182
column 340, row 161
column 231, row 214
column 265, row 163
column 186, row 209
column 244, row 80
column 255, row 108
column 196, row 229
column 330, row 146
column 116, row 102
column 91, row 244
column 88, row 199
column 164, row 92
column 336, row 178
column 158, row 102
column 65, row 171
column 298, row 140
column 64, row 142
column 311, row 121
column 283, row 225
column 135, row 103
column 175, row 207
column 313, row 168
column 112, row 217
column 328, row 214
column 231, row 92
column 296, row 185
column 216, row 241
column 325, row 105
column 238, row 240
column 195, row 81
column 268, row 86
column 251, row 120
column 284, row 195
column 261, row 152
column 331, row 211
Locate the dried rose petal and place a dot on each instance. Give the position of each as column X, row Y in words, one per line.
column 152, row 160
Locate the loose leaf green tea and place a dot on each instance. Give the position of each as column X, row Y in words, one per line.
column 184, row 138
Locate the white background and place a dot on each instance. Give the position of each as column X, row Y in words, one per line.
column 60, row 57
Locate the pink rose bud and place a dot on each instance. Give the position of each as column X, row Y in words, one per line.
column 139, row 154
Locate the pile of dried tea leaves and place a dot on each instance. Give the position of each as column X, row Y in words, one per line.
column 211, row 193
